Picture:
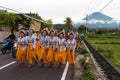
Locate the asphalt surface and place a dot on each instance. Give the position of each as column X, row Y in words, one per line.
column 15, row 72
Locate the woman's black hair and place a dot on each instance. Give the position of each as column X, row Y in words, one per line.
column 71, row 34
column 61, row 33
column 51, row 31
column 45, row 31
column 32, row 30
column 23, row 33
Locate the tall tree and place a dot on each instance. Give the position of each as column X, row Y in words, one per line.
column 49, row 24
column 8, row 19
column 68, row 24
column 26, row 22
column 12, row 20
column 2, row 17
column 82, row 29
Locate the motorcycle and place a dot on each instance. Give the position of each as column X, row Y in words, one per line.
column 7, row 45
column 14, row 50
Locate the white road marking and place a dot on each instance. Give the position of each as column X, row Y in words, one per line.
column 13, row 62
column 65, row 72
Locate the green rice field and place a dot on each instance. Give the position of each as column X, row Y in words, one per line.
column 108, row 45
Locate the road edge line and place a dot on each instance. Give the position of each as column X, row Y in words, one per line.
column 65, row 72
column 2, row 67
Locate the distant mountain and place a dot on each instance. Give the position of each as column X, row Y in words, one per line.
column 59, row 26
column 98, row 16
column 98, row 20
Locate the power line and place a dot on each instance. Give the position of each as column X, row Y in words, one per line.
column 99, row 11
column 105, row 6
column 94, row 4
column 97, row 5
column 22, row 14
column 86, row 23
column 88, row 8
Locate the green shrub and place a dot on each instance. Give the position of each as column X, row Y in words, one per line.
column 88, row 73
column 84, row 51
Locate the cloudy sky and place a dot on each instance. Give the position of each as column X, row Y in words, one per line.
column 58, row 10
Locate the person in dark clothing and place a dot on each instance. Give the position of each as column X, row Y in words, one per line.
column 11, row 36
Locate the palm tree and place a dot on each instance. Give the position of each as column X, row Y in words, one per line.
column 68, row 24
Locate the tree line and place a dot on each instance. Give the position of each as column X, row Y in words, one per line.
column 12, row 20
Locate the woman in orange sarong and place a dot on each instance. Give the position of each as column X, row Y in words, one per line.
column 61, row 54
column 52, row 48
column 37, row 44
column 44, row 41
column 31, row 48
column 21, row 48
column 71, row 45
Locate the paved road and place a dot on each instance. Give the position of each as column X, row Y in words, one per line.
column 11, row 70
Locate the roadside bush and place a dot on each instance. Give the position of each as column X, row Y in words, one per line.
column 84, row 51
column 87, row 73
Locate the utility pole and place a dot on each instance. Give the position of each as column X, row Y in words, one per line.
column 86, row 23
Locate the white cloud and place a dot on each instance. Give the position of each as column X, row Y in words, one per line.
column 93, row 21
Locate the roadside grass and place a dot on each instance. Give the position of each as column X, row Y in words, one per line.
column 110, row 36
column 88, row 72
column 108, row 45
column 0, row 46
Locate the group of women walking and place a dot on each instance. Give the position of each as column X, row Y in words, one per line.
column 46, row 48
